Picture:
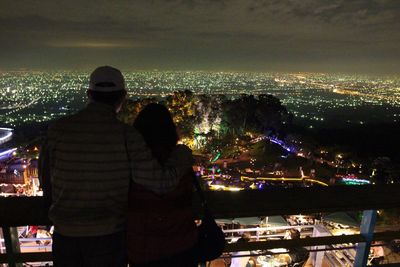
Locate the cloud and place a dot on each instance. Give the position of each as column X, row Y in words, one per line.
column 94, row 44
column 342, row 12
column 175, row 31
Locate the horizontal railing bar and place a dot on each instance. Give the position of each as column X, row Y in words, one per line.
column 269, row 228
column 28, row 257
column 282, row 201
column 283, row 252
column 23, row 211
column 31, row 239
column 291, row 243
column 275, row 201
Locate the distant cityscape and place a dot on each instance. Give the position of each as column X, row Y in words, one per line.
column 314, row 99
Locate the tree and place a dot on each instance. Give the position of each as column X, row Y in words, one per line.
column 247, row 113
column 270, row 114
column 238, row 114
column 181, row 106
column 131, row 108
column 208, row 112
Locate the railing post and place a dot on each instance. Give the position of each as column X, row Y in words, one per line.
column 12, row 245
column 367, row 230
column 2, row 250
column 317, row 257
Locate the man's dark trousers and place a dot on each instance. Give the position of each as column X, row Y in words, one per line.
column 96, row 251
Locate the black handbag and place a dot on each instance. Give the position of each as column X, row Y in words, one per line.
column 211, row 239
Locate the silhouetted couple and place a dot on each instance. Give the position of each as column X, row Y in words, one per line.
column 116, row 192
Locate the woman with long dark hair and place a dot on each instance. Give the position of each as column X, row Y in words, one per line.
column 161, row 227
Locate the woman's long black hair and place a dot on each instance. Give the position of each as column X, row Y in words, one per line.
column 155, row 123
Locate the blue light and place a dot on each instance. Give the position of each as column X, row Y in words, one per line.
column 7, row 152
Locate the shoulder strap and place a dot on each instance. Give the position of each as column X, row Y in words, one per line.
column 199, row 191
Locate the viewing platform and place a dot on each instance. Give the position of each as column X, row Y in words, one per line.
column 22, row 211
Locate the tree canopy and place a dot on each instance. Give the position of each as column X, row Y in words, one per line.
column 216, row 114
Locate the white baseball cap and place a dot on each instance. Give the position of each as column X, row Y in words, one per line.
column 106, row 79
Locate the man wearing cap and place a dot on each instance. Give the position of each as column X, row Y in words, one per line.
column 85, row 167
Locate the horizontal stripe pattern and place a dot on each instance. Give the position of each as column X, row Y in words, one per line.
column 89, row 172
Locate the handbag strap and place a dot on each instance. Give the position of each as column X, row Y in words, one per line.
column 200, row 192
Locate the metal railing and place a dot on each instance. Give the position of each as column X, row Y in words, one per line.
column 21, row 211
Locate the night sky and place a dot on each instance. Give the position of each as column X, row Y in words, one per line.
column 348, row 36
